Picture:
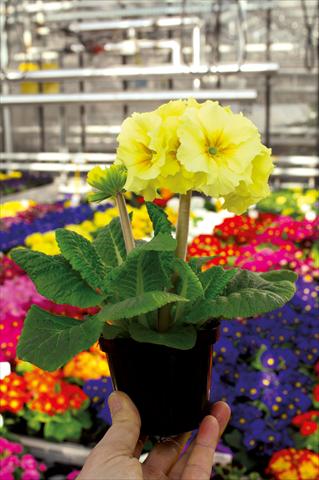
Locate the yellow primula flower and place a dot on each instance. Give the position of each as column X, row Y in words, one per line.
column 218, row 143
column 184, row 145
column 256, row 188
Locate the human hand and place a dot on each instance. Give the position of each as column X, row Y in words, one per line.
column 116, row 456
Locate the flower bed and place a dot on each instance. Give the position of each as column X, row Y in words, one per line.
column 15, row 182
column 264, row 366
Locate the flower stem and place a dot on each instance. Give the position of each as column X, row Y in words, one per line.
column 125, row 222
column 183, row 224
column 164, row 315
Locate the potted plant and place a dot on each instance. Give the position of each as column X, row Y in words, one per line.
column 159, row 313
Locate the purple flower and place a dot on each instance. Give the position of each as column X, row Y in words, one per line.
column 99, row 391
column 270, row 359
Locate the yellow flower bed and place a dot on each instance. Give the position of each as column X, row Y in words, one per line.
column 10, row 209
column 142, row 227
column 10, row 175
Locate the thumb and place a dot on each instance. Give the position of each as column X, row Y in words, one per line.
column 123, row 435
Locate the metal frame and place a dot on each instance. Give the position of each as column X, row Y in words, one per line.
column 132, row 72
column 127, row 97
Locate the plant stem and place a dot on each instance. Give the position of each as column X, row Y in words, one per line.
column 183, row 224
column 125, row 222
column 164, row 315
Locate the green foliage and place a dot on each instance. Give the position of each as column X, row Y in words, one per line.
column 279, row 275
column 55, row 279
column 139, row 305
column 109, row 244
column 245, row 295
column 188, row 286
column 182, row 338
column 49, row 341
column 141, row 272
column 214, row 280
column 162, row 242
column 196, row 263
column 82, row 256
column 159, row 219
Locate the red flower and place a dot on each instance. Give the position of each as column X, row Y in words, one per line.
column 316, row 393
column 308, row 428
column 305, row 417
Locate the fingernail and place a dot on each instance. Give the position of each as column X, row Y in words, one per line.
column 115, row 403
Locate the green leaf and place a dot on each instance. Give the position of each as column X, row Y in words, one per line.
column 159, row 219
column 188, row 286
column 112, row 331
column 196, row 263
column 141, row 272
column 55, row 279
column 278, row 275
column 69, row 429
column 49, row 341
column 246, row 295
column 139, row 305
column 82, row 256
column 109, row 244
column 182, row 338
column 162, row 242
column 214, row 280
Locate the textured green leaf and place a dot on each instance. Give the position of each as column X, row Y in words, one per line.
column 278, row 275
column 109, row 244
column 55, row 279
column 159, row 219
column 82, row 256
column 141, row 272
column 139, row 305
column 113, row 331
column 214, row 280
column 196, row 263
column 188, row 286
column 247, row 294
column 49, row 341
column 182, row 338
column 162, row 242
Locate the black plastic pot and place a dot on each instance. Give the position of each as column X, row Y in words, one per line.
column 170, row 387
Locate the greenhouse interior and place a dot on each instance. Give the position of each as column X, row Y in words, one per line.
column 159, row 240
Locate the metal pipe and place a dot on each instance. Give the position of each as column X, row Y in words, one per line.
column 126, row 97
column 4, row 88
column 58, row 157
column 165, row 22
column 137, row 72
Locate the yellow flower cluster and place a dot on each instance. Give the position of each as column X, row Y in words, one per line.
column 141, row 224
column 10, row 209
column 292, row 464
column 184, row 145
column 10, row 175
column 87, row 365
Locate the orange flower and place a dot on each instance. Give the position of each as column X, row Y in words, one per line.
column 292, row 464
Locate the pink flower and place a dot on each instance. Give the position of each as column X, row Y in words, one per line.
column 30, row 475
column 28, row 462
column 73, row 475
column 42, row 467
column 6, row 475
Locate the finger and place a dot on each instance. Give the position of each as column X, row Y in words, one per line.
column 221, row 411
column 122, row 437
column 164, row 455
column 140, row 445
column 200, row 462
